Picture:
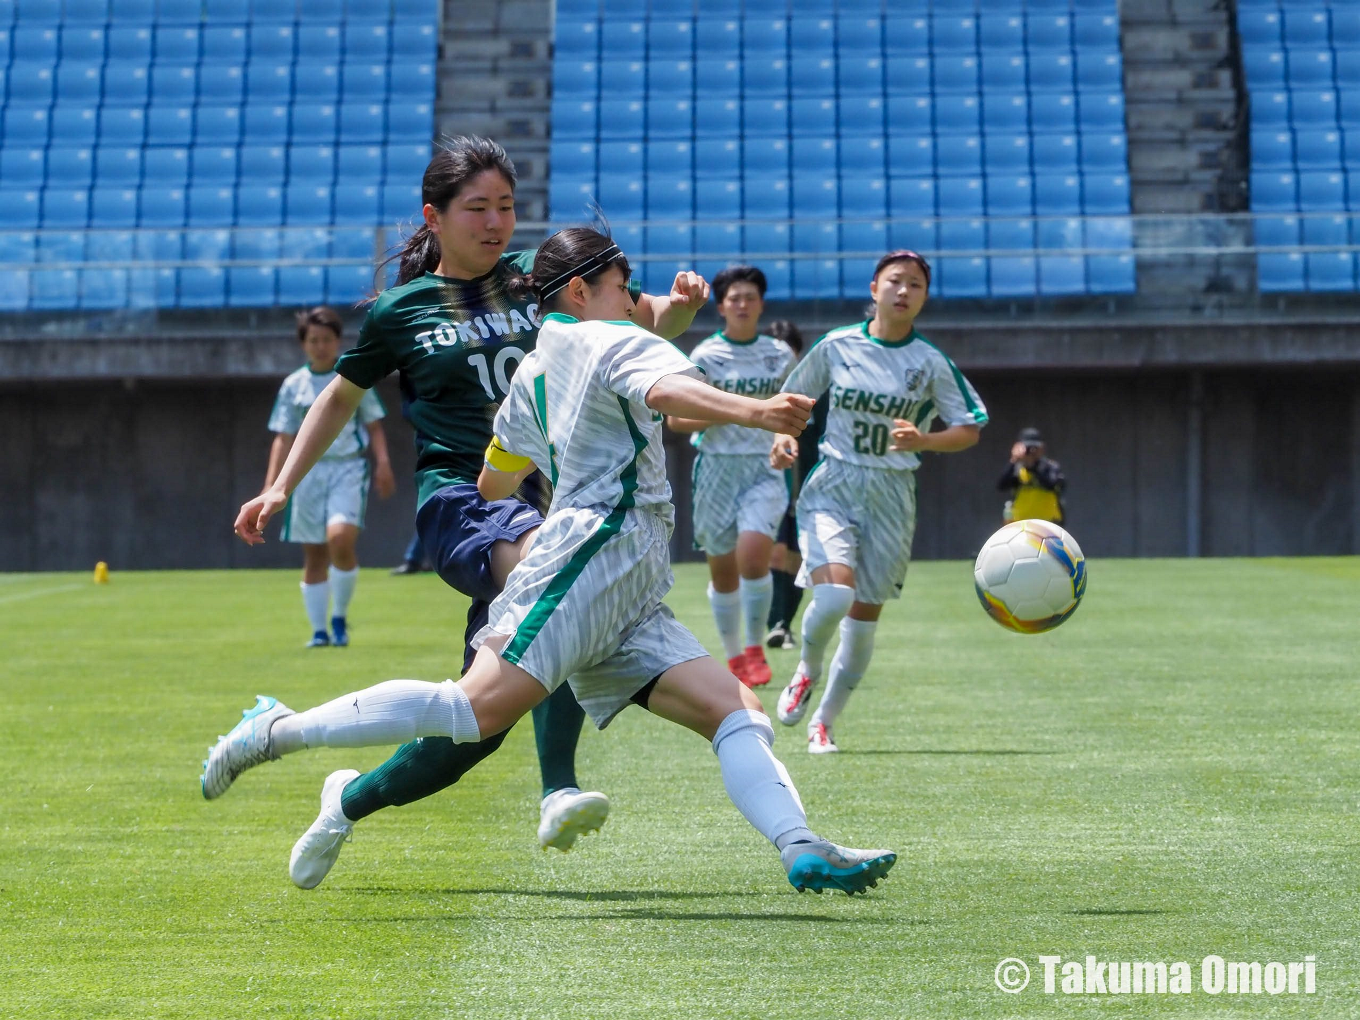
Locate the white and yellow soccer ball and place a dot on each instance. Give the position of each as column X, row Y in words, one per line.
column 1030, row 576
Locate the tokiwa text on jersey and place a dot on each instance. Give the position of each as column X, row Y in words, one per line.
column 449, row 334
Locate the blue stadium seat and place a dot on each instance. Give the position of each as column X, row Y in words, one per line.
column 165, row 125
column 348, row 285
column 953, row 73
column 401, row 203
column 1326, row 231
column 1348, row 70
column 307, row 205
column 672, row 159
column 717, row 200
column 1105, row 195
column 1104, row 153
column 766, row 239
column 1006, row 154
column 625, row 8
column 621, row 159
column 18, row 248
column 353, row 243
column 912, row 156
column 14, row 290
column 670, row 39
column 82, row 42
column 764, row 36
column 908, row 75
column 1306, row 110
column 860, row 35
column 319, row 44
column 812, row 75
column 85, row 12
column 211, row 205
column 202, row 287
column 164, row 207
column 765, row 156
column 125, row 84
column 667, row 118
column 1010, row 195
column 330, row 11
column 1306, row 28
column 572, row 119
column 957, row 115
column 1101, row 111
column 79, row 82
column 363, row 83
column 676, row 78
column 623, row 40
column 319, row 84
column 1111, row 274
column 622, row 77
column 22, row 168
column 1109, row 234
column 718, row 239
column 577, row 40
column 1062, row 275
column 27, row 125
column 863, row 196
column 958, row 155
column 165, row 167
column 265, row 164
column 959, row 196
column 1330, row 271
column 1013, row 276
column 52, row 289
column 1053, row 112
column 1345, row 27
column 217, row 125
column 102, row 289
column 1051, row 72
column 321, row 123
column 718, row 77
column 621, row 199
column 1004, row 72
column 225, row 44
column 818, row 117
column 568, row 199
column 622, row 119
column 950, row 33
column 864, row 156
column 212, row 164
column 861, row 115
column 719, row 38
column 870, row 236
column 1349, row 114
column 37, row 44
column 406, row 162
column 1048, row 33
column 765, row 118
column 1277, row 231
column 1094, row 32
column 998, row 34
column 368, row 10
column 65, row 207
column 1055, row 154
column 911, row 197
column 670, row 239
column 1005, row 111
column 265, row 123
column 1319, row 191
column 820, row 8
column 174, row 83
column 269, row 81
column 818, row 279
column 274, row 44
column 366, row 42
column 576, row 159
column 207, row 245
column 128, row 43
column 1317, row 150
column 219, row 83
column 812, row 37
column 962, row 277
column 259, row 205
column 118, row 165
column 1264, row 69
column 357, row 204
column 1279, row 273
column 30, row 83
column 1099, row 72
column 301, row 285
column 70, row 168
column 764, row 76
column 175, row 43
column 767, row 198
column 1259, row 28
column 1310, row 68
column 19, row 208
column 59, row 247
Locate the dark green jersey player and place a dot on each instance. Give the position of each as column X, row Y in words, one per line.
column 454, row 328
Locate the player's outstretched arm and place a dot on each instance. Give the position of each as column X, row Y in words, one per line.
column 328, row 415
column 686, row 397
column 955, row 439
column 502, row 472
column 670, row 315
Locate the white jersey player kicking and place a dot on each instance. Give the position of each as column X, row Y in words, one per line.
column 857, row 506
column 585, row 602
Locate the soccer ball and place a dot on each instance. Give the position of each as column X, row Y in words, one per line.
column 1030, row 576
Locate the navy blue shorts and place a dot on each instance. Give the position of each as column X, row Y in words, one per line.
column 458, row 529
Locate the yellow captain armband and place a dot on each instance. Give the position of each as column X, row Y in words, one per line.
column 498, row 458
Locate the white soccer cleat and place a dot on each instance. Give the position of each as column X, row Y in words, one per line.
column 316, row 852
column 793, row 699
column 245, row 746
column 819, row 739
column 824, row 865
column 568, row 814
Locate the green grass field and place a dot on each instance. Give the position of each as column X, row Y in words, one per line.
column 1174, row 773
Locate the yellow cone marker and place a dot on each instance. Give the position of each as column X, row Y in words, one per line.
column 101, row 573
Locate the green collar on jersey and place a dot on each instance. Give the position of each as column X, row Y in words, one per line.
column 740, row 343
column 327, row 371
column 913, row 335
column 559, row 317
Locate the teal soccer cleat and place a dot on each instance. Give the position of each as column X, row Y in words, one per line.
column 245, row 746
column 824, row 865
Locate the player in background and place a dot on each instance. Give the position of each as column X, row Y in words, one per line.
column 454, row 332
column 784, row 560
column 887, row 384
column 585, row 601
column 738, row 499
column 327, row 508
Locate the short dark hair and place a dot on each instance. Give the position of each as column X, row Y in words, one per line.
column 321, row 315
column 783, row 329
column 738, row 274
column 903, row 255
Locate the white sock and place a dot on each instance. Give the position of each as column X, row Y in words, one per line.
column 756, row 780
column 830, row 603
column 847, row 668
column 317, row 599
column 727, row 614
column 756, row 596
column 394, row 712
column 342, row 588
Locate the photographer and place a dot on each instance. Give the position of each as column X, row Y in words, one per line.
column 1033, row 483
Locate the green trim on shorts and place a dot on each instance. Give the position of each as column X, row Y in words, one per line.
column 559, row 586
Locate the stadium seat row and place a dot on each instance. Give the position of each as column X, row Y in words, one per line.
column 158, row 248
column 1305, row 26
column 826, row 76
column 1294, row 272
column 225, row 44
column 258, row 123
column 1301, row 68
column 208, row 206
column 130, row 84
column 194, row 12
column 1305, row 108
column 766, row 198
column 852, row 36
column 1305, row 150
column 1312, row 191
column 580, row 9
column 724, row 119
column 190, row 287
column 175, row 167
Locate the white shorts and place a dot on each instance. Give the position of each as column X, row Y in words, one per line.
column 333, row 492
column 862, row 517
column 585, row 605
column 736, row 492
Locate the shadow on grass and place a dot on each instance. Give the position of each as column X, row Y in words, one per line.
column 1099, row 912
column 645, row 914
column 980, row 751
column 587, row 896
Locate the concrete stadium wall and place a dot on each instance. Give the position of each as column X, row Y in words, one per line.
column 148, row 475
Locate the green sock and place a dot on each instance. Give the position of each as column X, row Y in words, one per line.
column 557, row 728
column 417, row 770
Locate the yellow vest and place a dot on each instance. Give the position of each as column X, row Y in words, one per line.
column 1032, row 502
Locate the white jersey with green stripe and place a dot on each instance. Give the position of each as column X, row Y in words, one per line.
column 753, row 368
column 871, row 382
column 296, row 396
column 577, row 408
